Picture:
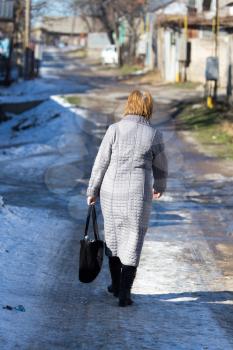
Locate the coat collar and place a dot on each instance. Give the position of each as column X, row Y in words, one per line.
column 136, row 118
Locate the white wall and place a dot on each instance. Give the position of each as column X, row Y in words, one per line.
column 201, row 48
column 170, row 54
column 97, row 40
column 95, row 44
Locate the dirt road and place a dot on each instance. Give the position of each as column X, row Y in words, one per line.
column 183, row 290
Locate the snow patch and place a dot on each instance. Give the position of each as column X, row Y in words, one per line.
column 1, row 202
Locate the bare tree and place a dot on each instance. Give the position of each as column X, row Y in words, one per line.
column 133, row 13
column 112, row 13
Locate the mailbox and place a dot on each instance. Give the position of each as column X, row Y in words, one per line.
column 212, row 68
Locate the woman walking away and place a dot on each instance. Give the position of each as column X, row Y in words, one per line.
column 129, row 171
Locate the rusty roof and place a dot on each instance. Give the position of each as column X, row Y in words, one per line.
column 194, row 21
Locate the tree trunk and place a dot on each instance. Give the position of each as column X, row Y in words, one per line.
column 104, row 19
column 110, row 36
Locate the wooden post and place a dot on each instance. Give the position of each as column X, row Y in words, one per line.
column 28, row 53
column 216, row 32
column 186, row 43
column 27, row 23
column 216, row 28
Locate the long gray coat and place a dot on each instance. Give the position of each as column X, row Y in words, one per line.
column 130, row 156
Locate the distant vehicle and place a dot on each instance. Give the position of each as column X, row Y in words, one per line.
column 109, row 55
column 61, row 45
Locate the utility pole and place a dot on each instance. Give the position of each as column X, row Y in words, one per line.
column 28, row 53
column 27, row 23
column 216, row 32
column 184, row 78
column 216, row 27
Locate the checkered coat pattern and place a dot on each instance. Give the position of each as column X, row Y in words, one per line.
column 130, row 161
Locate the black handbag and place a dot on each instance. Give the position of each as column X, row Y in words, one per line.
column 91, row 251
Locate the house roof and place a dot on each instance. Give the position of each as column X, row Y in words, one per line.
column 154, row 5
column 71, row 24
column 194, row 22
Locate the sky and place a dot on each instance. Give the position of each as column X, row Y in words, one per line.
column 53, row 8
column 60, row 7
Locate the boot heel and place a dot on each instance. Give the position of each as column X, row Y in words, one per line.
column 126, row 302
column 123, row 303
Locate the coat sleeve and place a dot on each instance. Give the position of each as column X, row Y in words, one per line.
column 101, row 162
column 159, row 164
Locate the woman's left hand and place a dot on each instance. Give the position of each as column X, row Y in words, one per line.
column 91, row 200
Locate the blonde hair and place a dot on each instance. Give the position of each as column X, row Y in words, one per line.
column 139, row 103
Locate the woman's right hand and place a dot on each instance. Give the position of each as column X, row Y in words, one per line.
column 91, row 200
column 156, row 195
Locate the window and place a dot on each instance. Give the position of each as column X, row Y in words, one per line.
column 206, row 5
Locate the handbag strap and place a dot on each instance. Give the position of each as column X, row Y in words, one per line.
column 95, row 225
column 92, row 211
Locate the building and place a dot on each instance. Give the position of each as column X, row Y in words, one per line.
column 185, row 37
column 68, row 30
column 7, row 39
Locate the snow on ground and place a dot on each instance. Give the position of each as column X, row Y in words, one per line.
column 39, row 89
column 43, row 123
column 49, row 83
column 28, row 273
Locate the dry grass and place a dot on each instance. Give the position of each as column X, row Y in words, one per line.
column 212, row 128
column 151, row 78
column 227, row 127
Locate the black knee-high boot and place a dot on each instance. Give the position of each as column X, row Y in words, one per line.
column 128, row 274
column 115, row 271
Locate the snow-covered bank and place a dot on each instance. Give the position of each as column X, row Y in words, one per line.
column 39, row 89
column 49, row 83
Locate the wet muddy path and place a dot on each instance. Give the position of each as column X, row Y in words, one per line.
column 183, row 290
